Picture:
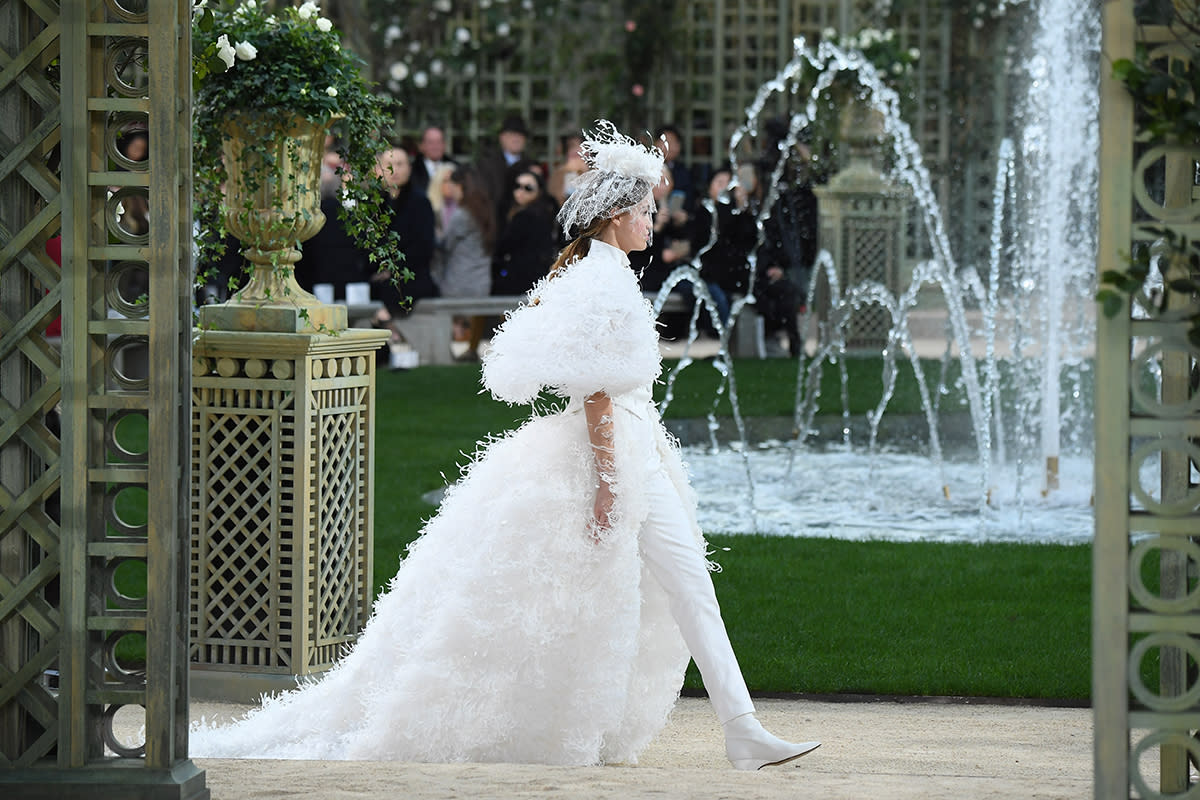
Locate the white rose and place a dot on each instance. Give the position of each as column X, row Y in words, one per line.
column 391, row 34
column 463, row 35
column 245, row 51
column 914, row 53
column 443, row 6
column 829, row 33
column 398, row 71
column 225, row 51
column 324, row 25
column 502, row 29
column 331, row 91
column 420, row 80
column 307, row 10
column 436, row 66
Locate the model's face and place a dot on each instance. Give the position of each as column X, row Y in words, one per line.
column 452, row 191
column 633, row 228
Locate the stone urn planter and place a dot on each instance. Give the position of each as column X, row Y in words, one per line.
column 272, row 203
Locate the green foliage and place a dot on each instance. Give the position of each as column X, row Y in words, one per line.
column 1165, row 86
column 1179, row 260
column 276, row 60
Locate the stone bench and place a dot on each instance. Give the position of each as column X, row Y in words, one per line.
column 428, row 329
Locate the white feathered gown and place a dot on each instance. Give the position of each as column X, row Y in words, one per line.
column 508, row 634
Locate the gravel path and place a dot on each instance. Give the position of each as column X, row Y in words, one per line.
column 892, row 750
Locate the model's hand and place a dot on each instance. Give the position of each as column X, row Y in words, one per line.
column 601, row 510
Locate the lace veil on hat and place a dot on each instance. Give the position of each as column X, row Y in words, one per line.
column 620, row 175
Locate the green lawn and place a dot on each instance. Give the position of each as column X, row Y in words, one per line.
column 806, row 615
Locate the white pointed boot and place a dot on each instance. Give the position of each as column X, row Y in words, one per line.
column 750, row 747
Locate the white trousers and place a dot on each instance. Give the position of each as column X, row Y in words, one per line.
column 669, row 550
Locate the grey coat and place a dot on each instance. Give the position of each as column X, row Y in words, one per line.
column 462, row 267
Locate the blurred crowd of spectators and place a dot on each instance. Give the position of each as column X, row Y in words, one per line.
column 473, row 228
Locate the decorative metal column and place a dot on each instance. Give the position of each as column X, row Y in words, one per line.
column 1144, row 598
column 282, row 494
column 93, row 510
column 861, row 223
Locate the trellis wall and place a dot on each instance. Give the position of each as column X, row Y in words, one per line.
column 716, row 55
column 719, row 54
column 1146, row 600
column 92, row 477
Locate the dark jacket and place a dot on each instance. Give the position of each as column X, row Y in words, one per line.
column 412, row 219
column 727, row 262
column 331, row 256
column 524, row 250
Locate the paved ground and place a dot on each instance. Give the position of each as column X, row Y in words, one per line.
column 887, row 750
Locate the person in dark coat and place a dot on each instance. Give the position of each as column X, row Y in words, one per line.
column 412, row 219
column 525, row 247
column 499, row 166
column 725, row 265
column 789, row 247
column 431, row 156
column 331, row 256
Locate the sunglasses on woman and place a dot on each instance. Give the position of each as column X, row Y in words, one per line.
column 526, row 187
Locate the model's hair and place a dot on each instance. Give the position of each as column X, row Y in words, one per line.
column 581, row 244
column 477, row 202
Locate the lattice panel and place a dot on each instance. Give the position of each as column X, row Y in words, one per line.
column 339, row 612
column 1147, row 428
column 90, row 473
column 237, row 508
column 30, row 387
column 281, row 493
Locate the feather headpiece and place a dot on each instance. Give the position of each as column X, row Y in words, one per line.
column 621, row 174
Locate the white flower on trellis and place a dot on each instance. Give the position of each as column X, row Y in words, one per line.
column 245, row 51
column 420, row 79
column 331, row 91
column 914, row 53
column 436, row 66
column 398, row 71
column 463, row 35
column 324, row 25
column 414, row 47
column 390, row 35
column 468, row 70
column 308, row 10
column 443, row 6
column 225, row 51
column 829, row 33
column 503, row 29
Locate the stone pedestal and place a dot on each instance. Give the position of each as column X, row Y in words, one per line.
column 861, row 223
column 281, row 505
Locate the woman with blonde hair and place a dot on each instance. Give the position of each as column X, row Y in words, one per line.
column 548, row 610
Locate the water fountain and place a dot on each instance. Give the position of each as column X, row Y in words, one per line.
column 1023, row 362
